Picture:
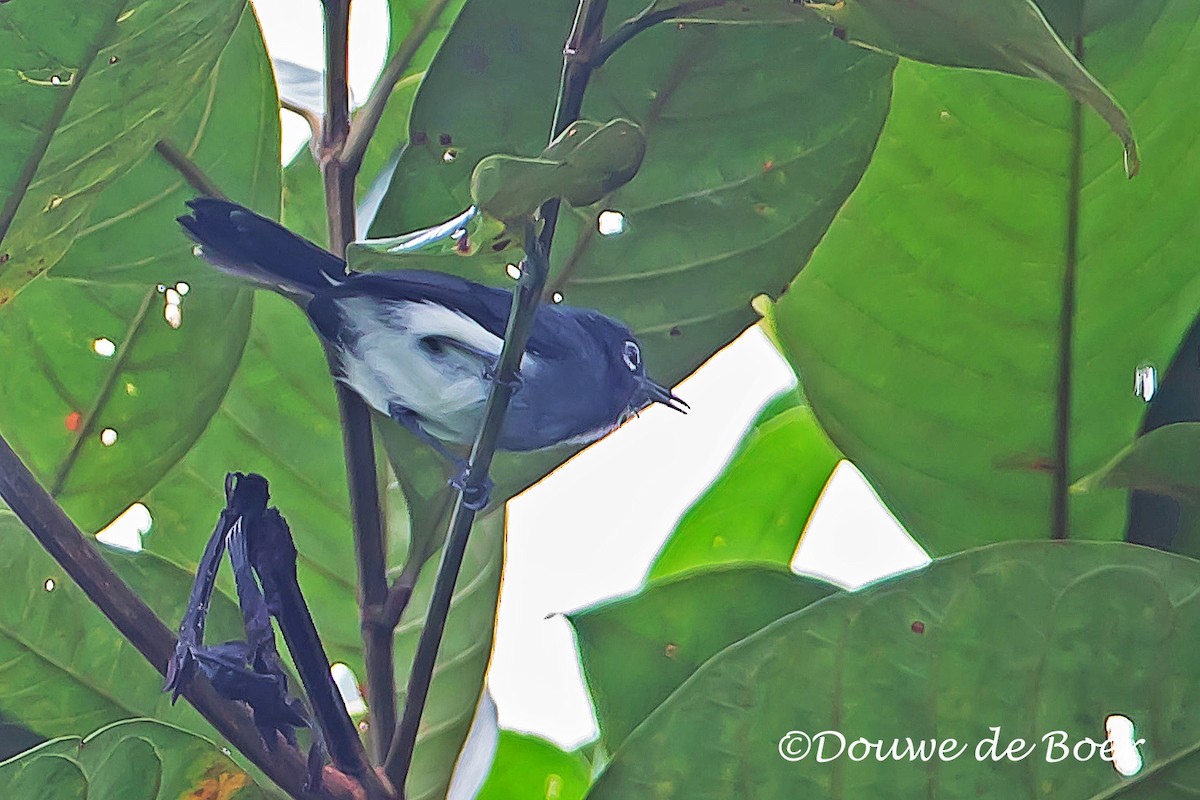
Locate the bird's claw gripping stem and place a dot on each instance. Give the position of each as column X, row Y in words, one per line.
column 474, row 497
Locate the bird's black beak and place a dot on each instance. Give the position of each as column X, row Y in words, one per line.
column 661, row 394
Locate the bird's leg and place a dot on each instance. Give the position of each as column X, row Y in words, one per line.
column 475, row 498
column 491, row 375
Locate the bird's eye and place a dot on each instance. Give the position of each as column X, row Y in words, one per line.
column 633, row 356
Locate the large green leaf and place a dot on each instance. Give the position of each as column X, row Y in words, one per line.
column 133, row 760
column 533, row 769
column 155, row 386
column 757, row 508
column 980, row 305
column 66, row 668
column 637, row 650
column 87, row 89
column 1029, row 637
column 1004, row 35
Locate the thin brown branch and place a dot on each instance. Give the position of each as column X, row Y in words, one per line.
column 363, row 126
column 370, row 543
column 188, row 169
column 647, row 19
column 137, row 622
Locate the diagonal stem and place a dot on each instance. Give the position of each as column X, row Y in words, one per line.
column 577, row 69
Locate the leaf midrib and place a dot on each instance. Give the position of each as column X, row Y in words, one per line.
column 132, row 334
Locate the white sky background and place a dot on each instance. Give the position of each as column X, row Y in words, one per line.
column 591, row 530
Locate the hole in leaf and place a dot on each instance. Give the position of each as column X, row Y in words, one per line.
column 126, row 531
column 108, row 437
column 347, row 684
column 610, row 223
column 1145, row 382
column 1126, row 758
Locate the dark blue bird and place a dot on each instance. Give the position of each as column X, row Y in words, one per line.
column 421, row 347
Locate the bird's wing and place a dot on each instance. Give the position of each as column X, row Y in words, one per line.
column 487, row 306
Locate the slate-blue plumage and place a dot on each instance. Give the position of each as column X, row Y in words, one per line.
column 420, row 346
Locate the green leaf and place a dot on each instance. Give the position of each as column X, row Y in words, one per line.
column 581, row 166
column 1032, row 637
column 462, row 659
column 67, row 669
column 1165, row 461
column 49, row 778
column 745, row 167
column 746, row 12
column 82, row 358
column 87, row 90
column 1003, row 35
column 757, row 508
column 638, row 650
column 928, row 328
column 531, row 768
column 231, row 131
column 132, row 760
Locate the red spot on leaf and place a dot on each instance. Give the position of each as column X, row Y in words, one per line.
column 918, row 627
column 73, row 420
column 768, row 165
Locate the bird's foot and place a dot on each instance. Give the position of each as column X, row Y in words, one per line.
column 474, row 497
column 490, row 374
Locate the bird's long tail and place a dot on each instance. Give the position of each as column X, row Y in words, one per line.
column 237, row 241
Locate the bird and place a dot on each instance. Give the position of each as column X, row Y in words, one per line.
column 422, row 347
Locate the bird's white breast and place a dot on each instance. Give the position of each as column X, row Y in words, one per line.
column 388, row 365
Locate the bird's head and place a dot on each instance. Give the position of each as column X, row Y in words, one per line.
column 627, row 371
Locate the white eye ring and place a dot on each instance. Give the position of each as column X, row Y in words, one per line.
column 633, row 356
